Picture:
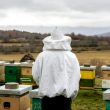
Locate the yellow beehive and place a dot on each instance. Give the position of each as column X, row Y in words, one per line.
column 87, row 76
column 87, row 72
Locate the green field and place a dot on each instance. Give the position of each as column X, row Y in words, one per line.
column 89, row 100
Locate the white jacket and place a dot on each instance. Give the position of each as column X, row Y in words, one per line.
column 56, row 69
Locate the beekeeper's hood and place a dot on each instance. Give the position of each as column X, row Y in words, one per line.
column 57, row 41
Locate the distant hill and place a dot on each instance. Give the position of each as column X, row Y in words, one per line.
column 105, row 34
column 65, row 29
column 10, row 34
column 23, row 41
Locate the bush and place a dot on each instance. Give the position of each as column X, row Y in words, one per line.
column 98, row 63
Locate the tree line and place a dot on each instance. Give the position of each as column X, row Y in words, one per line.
column 32, row 42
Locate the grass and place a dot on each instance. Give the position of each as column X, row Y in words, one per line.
column 88, row 100
column 14, row 56
column 83, row 57
column 87, row 56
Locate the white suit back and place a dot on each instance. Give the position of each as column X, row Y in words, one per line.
column 56, row 69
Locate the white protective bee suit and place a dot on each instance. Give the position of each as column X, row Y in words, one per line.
column 56, row 70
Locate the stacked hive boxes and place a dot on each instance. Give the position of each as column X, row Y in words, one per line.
column 2, row 73
column 106, row 97
column 105, row 77
column 12, row 72
column 36, row 99
column 26, row 74
column 87, row 76
column 15, row 99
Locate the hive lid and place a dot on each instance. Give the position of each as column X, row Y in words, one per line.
column 12, row 64
column 106, row 95
column 26, row 64
column 19, row 91
column 11, row 85
column 83, row 67
column 34, row 93
column 105, row 67
column 2, row 62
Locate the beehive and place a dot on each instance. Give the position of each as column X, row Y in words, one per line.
column 87, row 76
column 2, row 73
column 87, row 72
column 106, row 97
column 36, row 99
column 15, row 99
column 12, row 72
column 26, row 74
column 105, row 84
column 26, row 69
column 105, row 72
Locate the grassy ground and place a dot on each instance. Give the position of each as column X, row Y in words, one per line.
column 87, row 56
column 83, row 57
column 89, row 100
column 15, row 56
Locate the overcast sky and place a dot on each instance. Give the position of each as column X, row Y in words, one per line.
column 74, row 13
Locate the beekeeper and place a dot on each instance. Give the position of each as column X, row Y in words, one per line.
column 57, row 72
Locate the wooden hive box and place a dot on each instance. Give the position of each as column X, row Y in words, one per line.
column 15, row 99
column 105, row 72
column 26, row 69
column 2, row 72
column 26, row 74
